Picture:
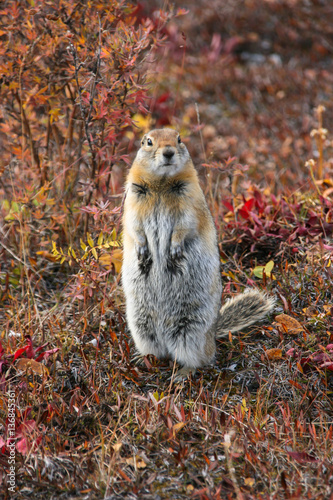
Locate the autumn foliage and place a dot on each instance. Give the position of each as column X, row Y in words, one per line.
column 72, row 81
column 248, row 85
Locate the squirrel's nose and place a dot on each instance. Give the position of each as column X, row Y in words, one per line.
column 168, row 153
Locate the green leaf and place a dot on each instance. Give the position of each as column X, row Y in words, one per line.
column 258, row 271
column 6, row 205
column 15, row 207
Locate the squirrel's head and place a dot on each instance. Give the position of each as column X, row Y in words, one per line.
column 162, row 152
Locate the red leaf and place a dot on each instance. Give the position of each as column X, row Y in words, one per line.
column 244, row 213
column 301, row 456
column 25, row 426
column 46, row 354
column 328, row 365
column 20, row 351
column 30, row 350
column 22, row 446
column 41, row 347
column 228, row 205
column 2, row 444
column 248, row 205
column 246, row 208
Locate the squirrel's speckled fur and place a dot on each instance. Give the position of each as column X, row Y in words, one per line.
column 171, row 266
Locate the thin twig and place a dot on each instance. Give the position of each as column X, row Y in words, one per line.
column 86, row 117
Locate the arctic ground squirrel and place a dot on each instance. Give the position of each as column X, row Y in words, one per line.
column 171, row 273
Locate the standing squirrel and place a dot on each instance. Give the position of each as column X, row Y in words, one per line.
column 171, row 265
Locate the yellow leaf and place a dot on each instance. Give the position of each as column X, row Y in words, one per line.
column 249, row 481
column 83, row 245
column 90, row 241
column 113, row 234
column 93, row 250
column 156, row 396
column 47, row 255
column 268, row 268
column 143, row 123
column 114, row 259
column 100, row 239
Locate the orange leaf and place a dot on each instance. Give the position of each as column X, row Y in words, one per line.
column 176, row 428
column 274, row 353
column 287, row 324
column 113, row 336
column 47, row 255
column 124, row 476
column 295, row 384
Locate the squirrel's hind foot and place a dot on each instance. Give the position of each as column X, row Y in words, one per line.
column 183, row 373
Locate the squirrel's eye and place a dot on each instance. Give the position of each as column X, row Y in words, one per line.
column 179, row 139
column 149, row 142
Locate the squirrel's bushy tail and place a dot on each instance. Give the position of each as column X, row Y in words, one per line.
column 242, row 311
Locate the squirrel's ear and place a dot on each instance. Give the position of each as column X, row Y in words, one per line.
column 143, row 140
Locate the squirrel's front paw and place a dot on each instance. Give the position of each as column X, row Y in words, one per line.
column 176, row 251
column 144, row 258
column 142, row 251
